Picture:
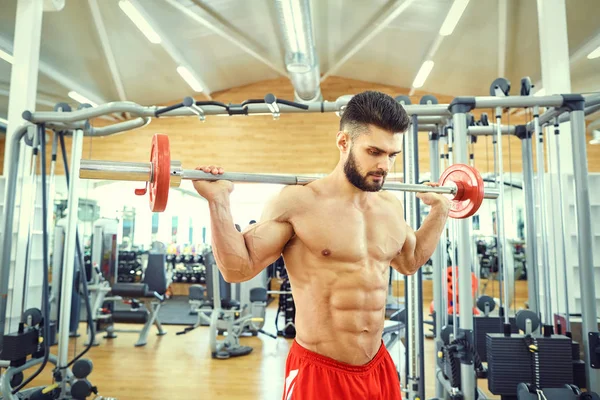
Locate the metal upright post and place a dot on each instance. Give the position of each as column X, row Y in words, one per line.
column 23, row 88
column 547, row 320
column 438, row 266
column 443, row 256
column 530, row 216
column 14, row 148
column 585, row 250
column 68, row 268
column 501, row 243
column 552, row 221
column 562, row 232
column 459, row 107
column 415, row 387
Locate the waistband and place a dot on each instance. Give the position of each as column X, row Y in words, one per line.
column 324, row 361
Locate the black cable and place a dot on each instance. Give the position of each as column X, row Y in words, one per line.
column 45, row 278
column 450, row 351
column 88, row 306
column 513, row 185
column 454, row 366
column 533, row 348
column 293, row 104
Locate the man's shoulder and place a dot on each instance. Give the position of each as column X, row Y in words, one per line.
column 389, row 196
column 298, row 192
column 292, row 197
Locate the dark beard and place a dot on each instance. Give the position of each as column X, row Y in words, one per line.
column 357, row 179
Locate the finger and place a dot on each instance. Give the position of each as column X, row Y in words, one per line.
column 221, row 170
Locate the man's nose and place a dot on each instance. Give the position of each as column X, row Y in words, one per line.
column 384, row 165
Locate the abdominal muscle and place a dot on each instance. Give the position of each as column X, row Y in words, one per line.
column 340, row 306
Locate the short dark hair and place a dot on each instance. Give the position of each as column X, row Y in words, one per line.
column 373, row 108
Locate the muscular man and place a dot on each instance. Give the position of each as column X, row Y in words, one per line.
column 338, row 236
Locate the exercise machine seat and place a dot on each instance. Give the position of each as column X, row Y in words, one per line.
column 196, row 292
column 153, row 285
column 226, row 304
column 131, row 290
column 155, row 275
column 258, row 295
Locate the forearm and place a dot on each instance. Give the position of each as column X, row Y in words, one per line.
column 228, row 245
column 428, row 235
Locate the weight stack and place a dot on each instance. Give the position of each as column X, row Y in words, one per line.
column 485, row 325
column 18, row 346
column 578, row 367
column 510, row 362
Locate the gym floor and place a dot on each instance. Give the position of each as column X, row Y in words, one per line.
column 180, row 366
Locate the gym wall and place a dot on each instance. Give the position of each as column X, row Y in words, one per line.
column 295, row 144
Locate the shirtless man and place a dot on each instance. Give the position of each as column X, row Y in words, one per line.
column 338, row 236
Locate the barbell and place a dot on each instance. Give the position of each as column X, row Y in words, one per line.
column 462, row 184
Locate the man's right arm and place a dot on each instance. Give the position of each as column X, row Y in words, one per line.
column 241, row 256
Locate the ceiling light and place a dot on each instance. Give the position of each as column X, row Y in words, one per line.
column 81, row 99
column 456, row 11
column 423, row 74
column 294, row 27
column 6, row 57
column 4, row 121
column 594, row 54
column 189, row 78
column 139, row 21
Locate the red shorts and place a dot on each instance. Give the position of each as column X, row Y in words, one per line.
column 311, row 376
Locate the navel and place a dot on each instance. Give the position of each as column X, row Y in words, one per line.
column 326, row 252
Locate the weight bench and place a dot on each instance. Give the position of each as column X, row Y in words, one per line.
column 203, row 307
column 150, row 292
column 225, row 316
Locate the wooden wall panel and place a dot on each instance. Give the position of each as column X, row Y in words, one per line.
column 295, row 144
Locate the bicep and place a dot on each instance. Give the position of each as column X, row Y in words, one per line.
column 405, row 261
column 266, row 239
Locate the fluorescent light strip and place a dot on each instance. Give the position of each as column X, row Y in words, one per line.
column 189, row 78
column 81, row 99
column 594, row 54
column 290, row 26
column 136, row 17
column 424, row 72
column 4, row 121
column 299, row 27
column 456, row 11
column 6, row 57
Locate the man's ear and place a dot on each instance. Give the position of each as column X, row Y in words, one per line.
column 343, row 141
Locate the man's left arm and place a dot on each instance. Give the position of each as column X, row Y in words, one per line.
column 420, row 245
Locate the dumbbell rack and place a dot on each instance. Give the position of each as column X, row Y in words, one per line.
column 130, row 267
column 188, row 268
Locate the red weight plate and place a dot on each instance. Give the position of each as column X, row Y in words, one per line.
column 469, row 197
column 160, row 156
